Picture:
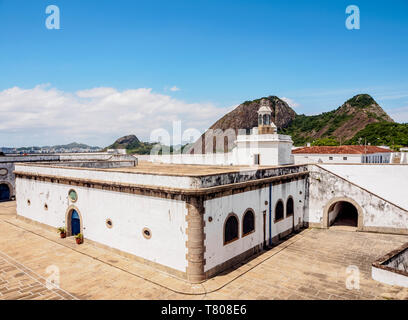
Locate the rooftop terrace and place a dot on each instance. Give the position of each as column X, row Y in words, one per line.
column 175, row 176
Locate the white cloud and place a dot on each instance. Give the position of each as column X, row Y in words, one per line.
column 44, row 115
column 174, row 88
column 290, row 102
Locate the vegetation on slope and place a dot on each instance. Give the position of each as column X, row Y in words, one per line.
column 383, row 133
column 337, row 125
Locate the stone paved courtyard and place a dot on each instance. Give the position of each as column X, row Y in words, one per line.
column 310, row 265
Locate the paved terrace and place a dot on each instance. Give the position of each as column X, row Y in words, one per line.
column 174, row 178
column 185, row 170
column 309, row 265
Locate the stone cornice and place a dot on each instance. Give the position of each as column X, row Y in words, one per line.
column 156, row 190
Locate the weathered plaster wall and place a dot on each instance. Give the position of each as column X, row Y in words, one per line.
column 334, row 213
column 258, row 200
column 376, row 214
column 130, row 213
column 248, row 174
column 388, row 181
column 399, row 261
column 8, row 163
column 8, row 178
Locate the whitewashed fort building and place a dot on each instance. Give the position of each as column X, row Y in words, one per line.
column 196, row 220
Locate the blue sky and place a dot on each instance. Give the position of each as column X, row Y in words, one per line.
column 209, row 55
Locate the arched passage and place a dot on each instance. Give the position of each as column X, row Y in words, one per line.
column 343, row 212
column 5, row 192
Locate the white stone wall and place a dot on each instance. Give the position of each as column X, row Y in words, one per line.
column 273, row 149
column 342, row 158
column 9, row 177
column 8, row 163
column 387, row 181
column 389, row 277
column 378, row 213
column 334, row 213
column 326, row 158
column 129, row 213
column 200, row 159
column 219, row 209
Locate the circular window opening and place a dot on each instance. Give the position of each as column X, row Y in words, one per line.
column 72, row 195
column 109, row 223
column 46, row 206
column 210, row 219
column 147, row 233
column 28, row 202
column 3, row 172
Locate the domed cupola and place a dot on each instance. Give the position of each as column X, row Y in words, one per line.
column 265, row 124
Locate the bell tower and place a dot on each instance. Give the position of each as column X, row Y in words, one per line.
column 265, row 124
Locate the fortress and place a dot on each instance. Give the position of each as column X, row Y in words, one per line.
column 194, row 218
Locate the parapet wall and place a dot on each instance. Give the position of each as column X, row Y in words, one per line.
column 376, row 211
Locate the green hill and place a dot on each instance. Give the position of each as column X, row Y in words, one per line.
column 339, row 125
column 383, row 133
column 132, row 145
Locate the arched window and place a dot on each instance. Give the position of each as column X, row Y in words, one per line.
column 268, row 119
column 231, row 229
column 264, row 119
column 248, row 223
column 279, row 211
column 260, row 119
column 226, row 144
column 289, row 207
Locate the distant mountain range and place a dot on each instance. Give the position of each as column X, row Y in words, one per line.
column 359, row 120
column 71, row 147
column 343, row 125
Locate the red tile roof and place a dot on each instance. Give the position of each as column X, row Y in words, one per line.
column 340, row 150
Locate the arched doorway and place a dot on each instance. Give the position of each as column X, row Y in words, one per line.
column 4, row 192
column 74, row 222
column 343, row 212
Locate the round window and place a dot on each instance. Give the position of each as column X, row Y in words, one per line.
column 73, row 195
column 109, row 223
column 147, row 233
column 3, row 172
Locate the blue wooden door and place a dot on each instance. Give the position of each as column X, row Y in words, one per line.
column 4, row 192
column 75, row 223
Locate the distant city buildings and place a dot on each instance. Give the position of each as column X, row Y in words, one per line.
column 49, row 150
